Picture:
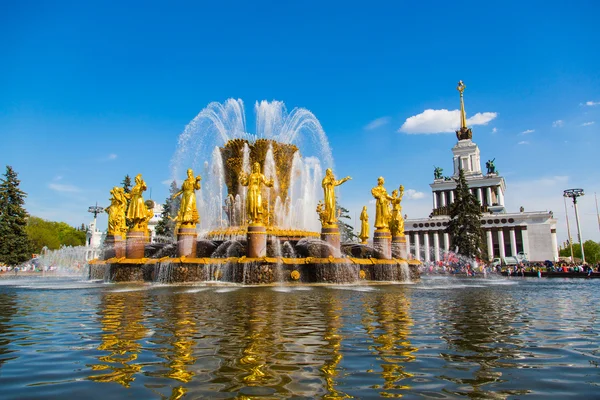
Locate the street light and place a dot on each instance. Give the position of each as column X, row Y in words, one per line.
column 95, row 210
column 574, row 194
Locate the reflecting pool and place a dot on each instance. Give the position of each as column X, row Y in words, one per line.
column 440, row 338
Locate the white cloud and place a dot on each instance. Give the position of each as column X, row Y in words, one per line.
column 377, row 123
column 523, row 142
column 592, row 103
column 442, row 121
column 558, row 123
column 528, row 131
column 57, row 187
column 112, row 156
column 412, row 194
column 372, row 201
column 494, row 130
column 588, row 123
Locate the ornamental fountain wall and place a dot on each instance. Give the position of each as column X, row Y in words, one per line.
column 289, row 244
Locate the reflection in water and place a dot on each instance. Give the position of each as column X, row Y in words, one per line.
column 175, row 341
column 121, row 316
column 387, row 321
column 482, row 336
column 332, row 311
column 8, row 308
column 311, row 342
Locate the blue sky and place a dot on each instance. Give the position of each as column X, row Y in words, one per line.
column 90, row 92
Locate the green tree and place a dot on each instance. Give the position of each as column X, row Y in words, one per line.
column 52, row 234
column 41, row 233
column 346, row 232
column 465, row 220
column 590, row 248
column 126, row 184
column 166, row 225
column 15, row 247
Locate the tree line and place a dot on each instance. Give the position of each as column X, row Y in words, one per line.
column 22, row 235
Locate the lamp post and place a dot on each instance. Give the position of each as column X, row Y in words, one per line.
column 574, row 194
column 568, row 229
column 95, row 210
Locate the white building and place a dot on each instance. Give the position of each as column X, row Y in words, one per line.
column 506, row 234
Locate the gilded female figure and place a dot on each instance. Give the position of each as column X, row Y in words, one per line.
column 188, row 212
column 382, row 205
column 254, row 206
column 137, row 211
column 116, row 212
column 397, row 222
column 364, row 226
column 329, row 183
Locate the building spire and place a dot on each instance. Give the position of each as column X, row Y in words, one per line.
column 463, row 115
column 464, row 132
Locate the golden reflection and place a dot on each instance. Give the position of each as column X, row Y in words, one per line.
column 121, row 320
column 332, row 314
column 181, row 327
column 387, row 321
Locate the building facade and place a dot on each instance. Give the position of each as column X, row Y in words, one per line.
column 533, row 234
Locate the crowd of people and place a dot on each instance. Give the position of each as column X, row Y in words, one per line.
column 453, row 267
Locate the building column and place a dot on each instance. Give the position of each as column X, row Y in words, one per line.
column 417, row 246
column 501, row 242
column 443, row 198
column 426, row 246
column 451, row 197
column 525, row 240
column 434, row 200
column 490, row 244
column 500, row 196
column 408, row 244
column 436, row 246
column 513, row 242
column 488, row 192
column 554, row 244
column 479, row 196
column 446, row 241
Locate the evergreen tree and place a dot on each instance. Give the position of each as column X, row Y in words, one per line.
column 166, row 225
column 346, row 232
column 126, row 184
column 15, row 247
column 465, row 220
column 127, row 189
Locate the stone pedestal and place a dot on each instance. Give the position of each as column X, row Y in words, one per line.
column 331, row 236
column 136, row 242
column 257, row 241
column 114, row 246
column 399, row 248
column 382, row 242
column 186, row 242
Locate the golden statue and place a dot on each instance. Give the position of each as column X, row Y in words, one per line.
column 254, row 206
column 188, row 212
column 382, row 205
column 137, row 211
column 364, row 226
column 116, row 212
column 149, row 214
column 321, row 212
column 329, row 183
column 396, row 220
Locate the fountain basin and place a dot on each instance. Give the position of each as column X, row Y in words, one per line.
column 254, row 271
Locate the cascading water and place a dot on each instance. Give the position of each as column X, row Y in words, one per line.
column 198, row 147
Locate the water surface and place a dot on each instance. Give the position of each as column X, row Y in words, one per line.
column 440, row 338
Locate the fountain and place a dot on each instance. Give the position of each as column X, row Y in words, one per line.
column 257, row 218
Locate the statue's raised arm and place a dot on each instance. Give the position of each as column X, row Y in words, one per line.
column 329, row 183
